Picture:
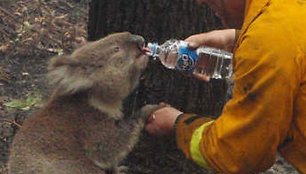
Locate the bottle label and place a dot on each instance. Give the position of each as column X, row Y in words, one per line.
column 186, row 58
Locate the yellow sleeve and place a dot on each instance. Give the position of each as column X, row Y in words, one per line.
column 245, row 138
column 185, row 126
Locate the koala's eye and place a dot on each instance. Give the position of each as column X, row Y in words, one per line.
column 117, row 49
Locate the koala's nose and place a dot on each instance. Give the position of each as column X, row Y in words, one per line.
column 137, row 39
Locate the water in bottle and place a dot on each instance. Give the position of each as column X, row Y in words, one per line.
column 175, row 54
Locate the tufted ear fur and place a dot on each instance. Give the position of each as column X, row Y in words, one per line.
column 68, row 75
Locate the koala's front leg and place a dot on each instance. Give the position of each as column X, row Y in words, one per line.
column 136, row 122
column 126, row 135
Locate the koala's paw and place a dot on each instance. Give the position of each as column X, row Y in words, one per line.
column 147, row 110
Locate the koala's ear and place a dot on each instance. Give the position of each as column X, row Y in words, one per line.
column 65, row 74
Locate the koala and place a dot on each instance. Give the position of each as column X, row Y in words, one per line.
column 81, row 129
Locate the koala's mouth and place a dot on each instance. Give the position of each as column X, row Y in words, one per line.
column 140, row 43
column 143, row 49
column 142, row 57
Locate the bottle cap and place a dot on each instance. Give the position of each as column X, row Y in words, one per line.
column 154, row 49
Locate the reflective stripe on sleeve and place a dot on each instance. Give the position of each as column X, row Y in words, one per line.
column 195, row 151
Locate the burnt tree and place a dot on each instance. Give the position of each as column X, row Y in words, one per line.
column 159, row 20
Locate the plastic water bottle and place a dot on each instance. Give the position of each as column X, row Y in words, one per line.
column 175, row 54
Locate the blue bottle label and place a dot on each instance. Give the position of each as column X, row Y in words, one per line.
column 186, row 58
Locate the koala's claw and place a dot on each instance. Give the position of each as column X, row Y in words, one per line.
column 148, row 109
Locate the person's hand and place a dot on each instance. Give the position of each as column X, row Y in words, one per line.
column 223, row 39
column 161, row 122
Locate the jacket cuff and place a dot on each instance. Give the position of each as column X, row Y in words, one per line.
column 184, row 127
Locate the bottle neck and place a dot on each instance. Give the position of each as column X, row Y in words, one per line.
column 154, row 47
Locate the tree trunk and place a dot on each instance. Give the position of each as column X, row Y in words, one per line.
column 158, row 21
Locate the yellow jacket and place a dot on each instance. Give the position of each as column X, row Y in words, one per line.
column 268, row 110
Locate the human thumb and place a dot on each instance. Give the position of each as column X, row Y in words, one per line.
column 192, row 45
